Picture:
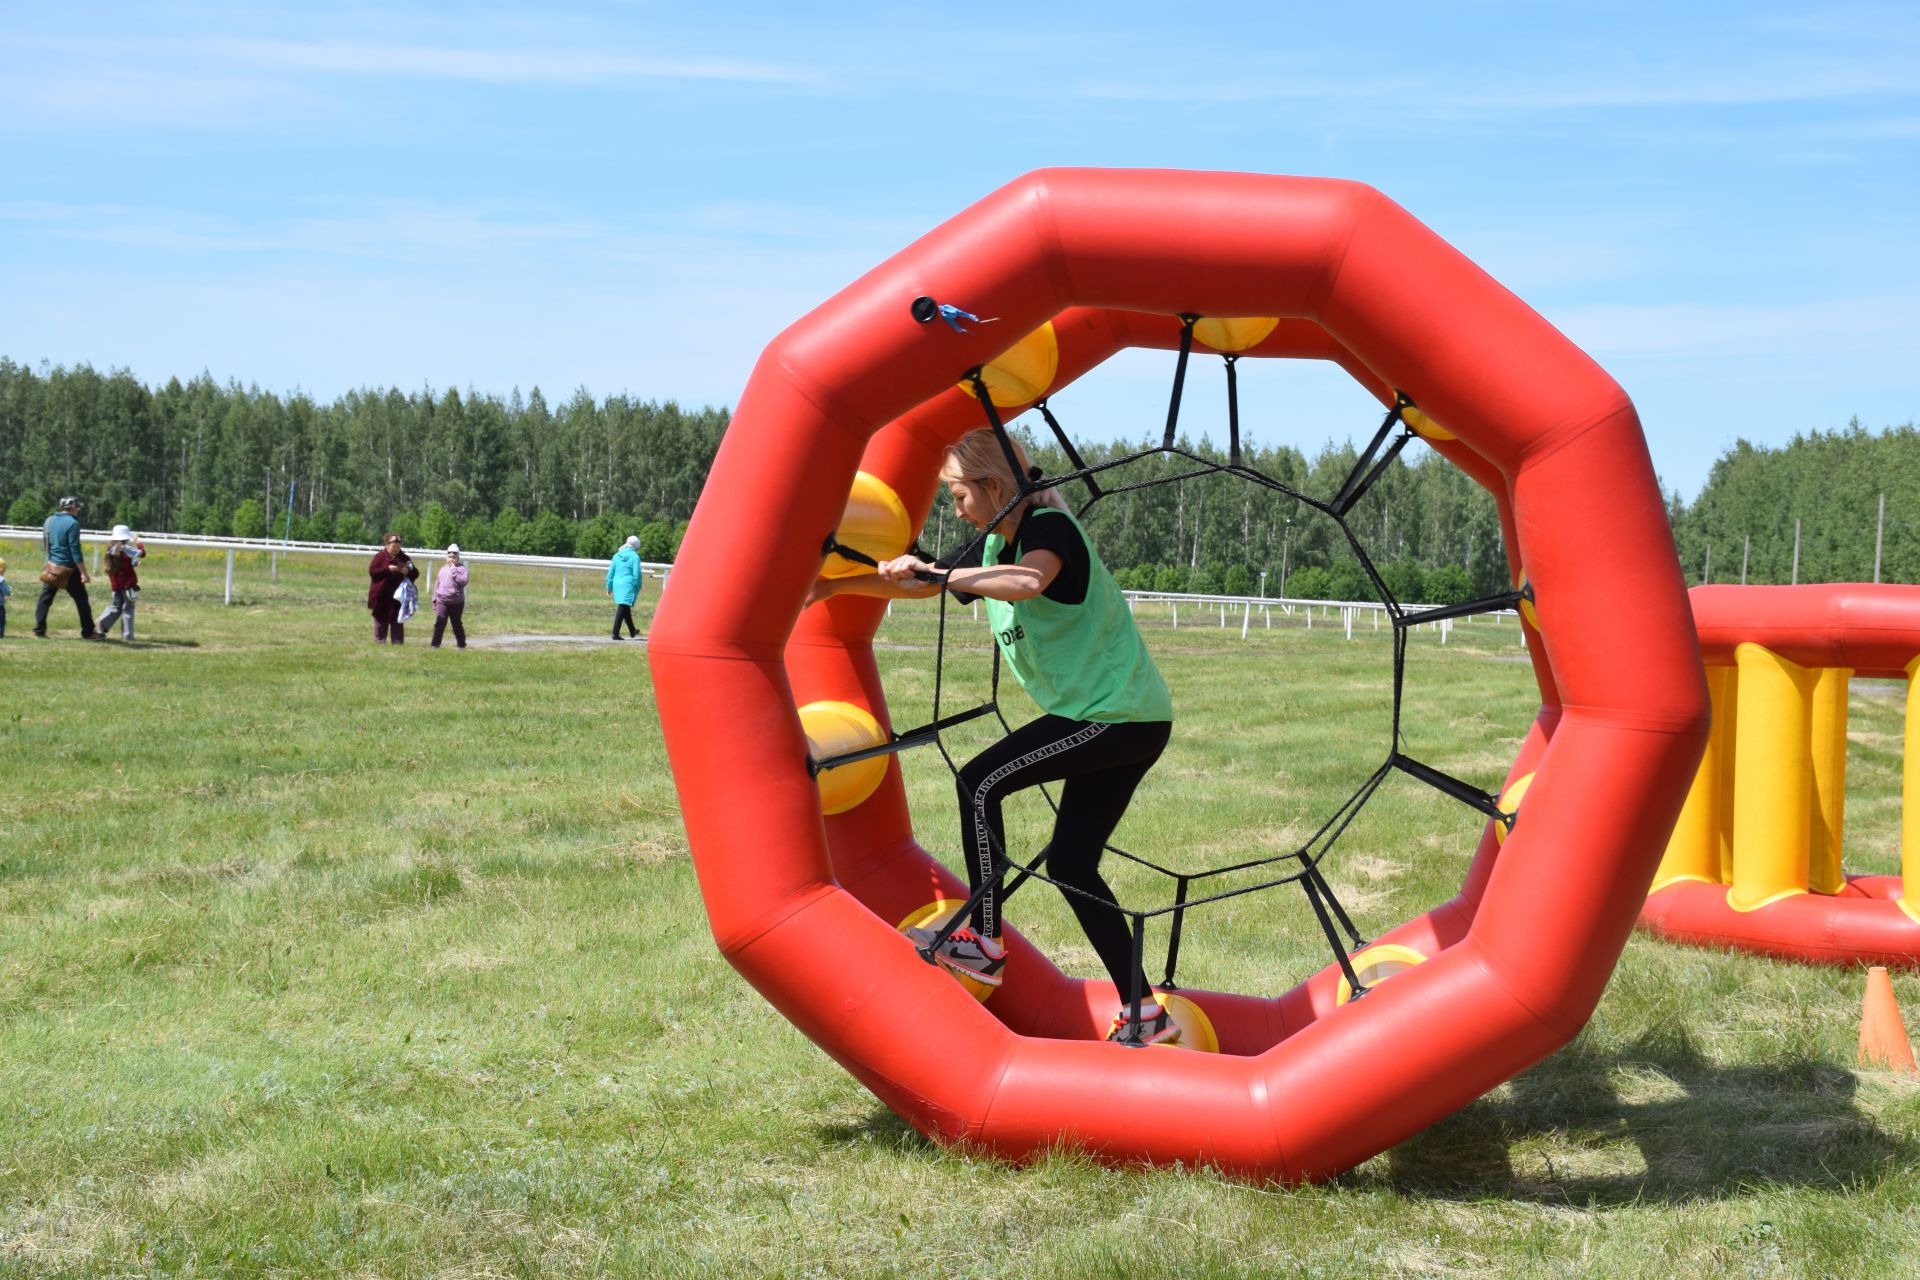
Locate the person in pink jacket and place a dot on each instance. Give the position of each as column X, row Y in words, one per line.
column 450, row 598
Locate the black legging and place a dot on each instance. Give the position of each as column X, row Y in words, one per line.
column 73, row 587
column 1101, row 764
column 454, row 610
column 623, row 613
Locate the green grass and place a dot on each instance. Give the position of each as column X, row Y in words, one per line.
column 322, row 958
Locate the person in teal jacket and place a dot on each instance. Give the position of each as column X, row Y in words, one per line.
column 62, row 543
column 623, row 584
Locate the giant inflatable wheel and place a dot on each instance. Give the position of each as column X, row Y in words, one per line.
column 1305, row 1084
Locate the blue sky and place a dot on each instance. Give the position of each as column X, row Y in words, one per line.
column 1721, row 202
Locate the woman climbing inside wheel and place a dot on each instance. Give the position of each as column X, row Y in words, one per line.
column 1068, row 637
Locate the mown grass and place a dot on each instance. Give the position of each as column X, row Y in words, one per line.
column 322, row 958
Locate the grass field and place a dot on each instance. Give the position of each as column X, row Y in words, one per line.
column 322, row 958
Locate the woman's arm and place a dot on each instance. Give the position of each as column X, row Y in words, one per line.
column 1023, row 581
column 871, row 584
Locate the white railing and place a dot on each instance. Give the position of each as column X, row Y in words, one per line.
column 1226, row 607
column 1243, row 609
column 275, row 548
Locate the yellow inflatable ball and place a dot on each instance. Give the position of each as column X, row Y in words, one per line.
column 1423, row 426
column 1526, row 605
column 1375, row 965
column 1022, row 373
column 835, row 728
column 1234, row 333
column 1510, row 803
column 875, row 524
column 1196, row 1028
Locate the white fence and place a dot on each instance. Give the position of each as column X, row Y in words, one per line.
column 273, row 548
column 1244, row 609
column 1228, row 609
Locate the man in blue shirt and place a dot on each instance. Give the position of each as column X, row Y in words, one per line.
column 62, row 536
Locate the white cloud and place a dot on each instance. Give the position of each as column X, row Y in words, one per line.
column 1870, row 326
column 493, row 66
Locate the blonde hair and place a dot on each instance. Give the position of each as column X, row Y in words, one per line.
column 3, row 566
column 977, row 457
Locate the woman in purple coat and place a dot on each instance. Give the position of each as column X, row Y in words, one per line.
column 389, row 568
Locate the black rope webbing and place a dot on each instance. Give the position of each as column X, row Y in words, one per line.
column 1233, row 411
column 1332, row 917
column 918, row 737
column 1073, row 454
column 1187, row 321
column 1465, row 792
column 1022, row 481
column 834, row 547
column 1471, row 608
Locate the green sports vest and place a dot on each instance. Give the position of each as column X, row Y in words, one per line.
column 1081, row 661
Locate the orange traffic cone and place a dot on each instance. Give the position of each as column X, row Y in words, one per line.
column 1883, row 1036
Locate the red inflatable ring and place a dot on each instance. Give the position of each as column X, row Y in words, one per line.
column 806, row 906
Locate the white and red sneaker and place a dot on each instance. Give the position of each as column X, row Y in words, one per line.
column 1154, row 1027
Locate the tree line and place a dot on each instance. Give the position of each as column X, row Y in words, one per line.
column 511, row 473
column 1829, row 486
column 515, row 474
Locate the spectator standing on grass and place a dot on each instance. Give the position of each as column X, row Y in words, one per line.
column 123, row 575
column 623, row 584
column 65, row 571
column 389, row 568
column 6, row 593
column 450, row 598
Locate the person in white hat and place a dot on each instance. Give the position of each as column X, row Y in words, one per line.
column 450, row 598
column 123, row 575
column 623, row 584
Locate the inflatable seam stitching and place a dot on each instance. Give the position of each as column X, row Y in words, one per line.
column 832, row 412
column 1336, row 260
column 1053, row 254
column 1551, row 441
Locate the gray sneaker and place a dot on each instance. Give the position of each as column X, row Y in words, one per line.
column 962, row 954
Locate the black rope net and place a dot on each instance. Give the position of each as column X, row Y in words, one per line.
column 1191, row 889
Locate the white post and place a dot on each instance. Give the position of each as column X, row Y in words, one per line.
column 563, row 584
column 1376, row 619
column 229, row 575
column 1267, row 610
column 1223, row 614
column 1446, row 629
column 1309, row 617
column 1246, row 619
column 1796, row 552
column 976, row 611
column 1879, row 528
column 1347, row 614
column 1176, row 611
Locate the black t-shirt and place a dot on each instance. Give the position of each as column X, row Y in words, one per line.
column 1041, row 529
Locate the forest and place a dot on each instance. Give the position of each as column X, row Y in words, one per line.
column 517, row 474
